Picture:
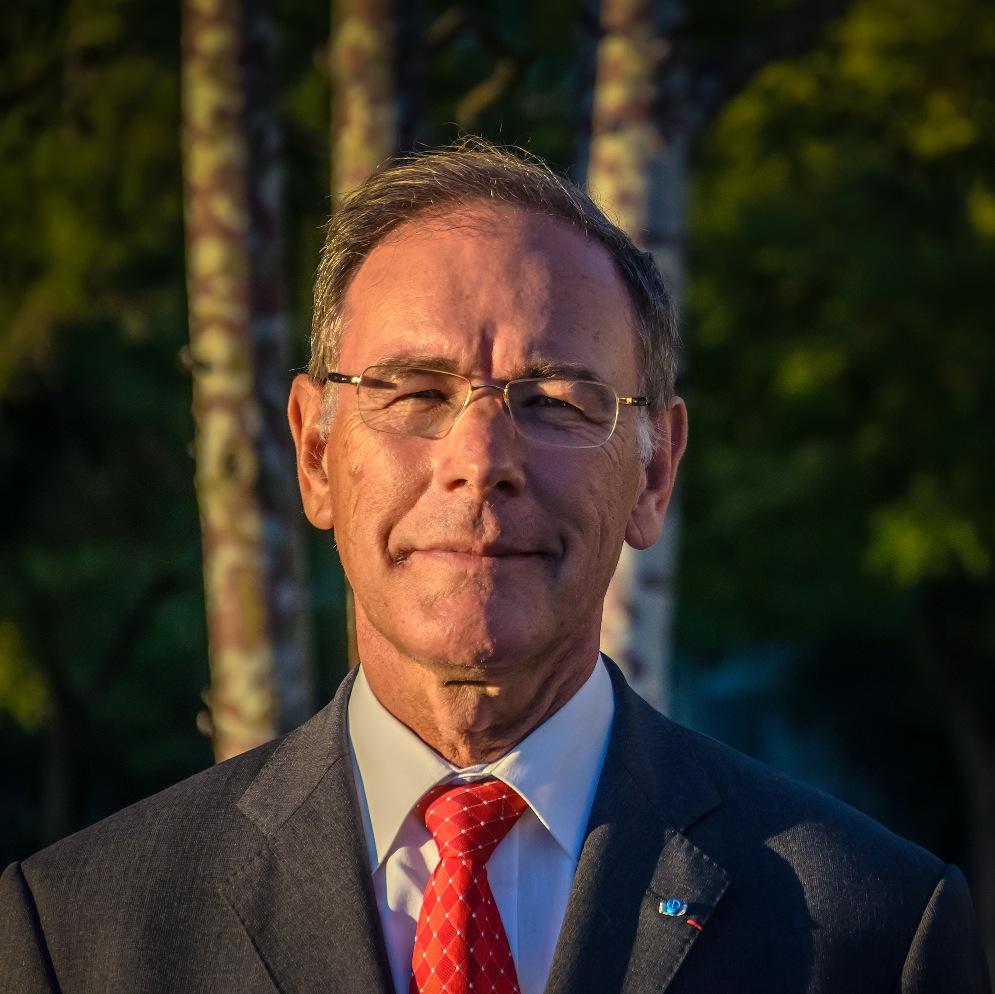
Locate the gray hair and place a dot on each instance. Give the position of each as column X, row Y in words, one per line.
column 468, row 172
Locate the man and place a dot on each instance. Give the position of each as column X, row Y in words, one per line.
column 485, row 806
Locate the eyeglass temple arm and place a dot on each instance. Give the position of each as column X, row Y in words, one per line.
column 634, row 401
column 342, row 378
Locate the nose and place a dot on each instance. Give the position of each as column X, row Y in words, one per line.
column 482, row 451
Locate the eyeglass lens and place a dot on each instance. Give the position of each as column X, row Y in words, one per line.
column 423, row 402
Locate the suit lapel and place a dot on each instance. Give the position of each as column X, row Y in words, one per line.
column 306, row 898
column 614, row 937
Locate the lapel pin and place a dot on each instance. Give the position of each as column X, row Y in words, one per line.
column 673, row 907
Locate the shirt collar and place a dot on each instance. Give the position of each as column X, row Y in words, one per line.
column 555, row 768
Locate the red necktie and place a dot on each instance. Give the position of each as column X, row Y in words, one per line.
column 460, row 943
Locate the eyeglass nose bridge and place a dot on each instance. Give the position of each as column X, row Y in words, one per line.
column 472, row 388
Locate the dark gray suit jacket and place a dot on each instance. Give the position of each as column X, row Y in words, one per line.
column 253, row 877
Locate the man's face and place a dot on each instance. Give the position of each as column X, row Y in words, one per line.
column 482, row 551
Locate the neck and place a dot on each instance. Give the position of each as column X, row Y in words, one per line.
column 471, row 716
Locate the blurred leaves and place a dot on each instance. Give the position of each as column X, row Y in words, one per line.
column 23, row 693
column 923, row 536
column 88, row 159
column 839, row 297
column 840, row 483
column 102, row 603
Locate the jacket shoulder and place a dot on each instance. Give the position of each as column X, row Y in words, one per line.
column 196, row 819
column 864, row 905
column 807, row 826
column 740, row 803
column 793, row 852
column 133, row 901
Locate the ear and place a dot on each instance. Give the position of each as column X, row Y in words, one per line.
column 304, row 413
column 646, row 520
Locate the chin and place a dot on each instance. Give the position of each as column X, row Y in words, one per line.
column 473, row 654
column 474, row 659
column 473, row 629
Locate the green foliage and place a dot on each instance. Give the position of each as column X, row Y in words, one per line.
column 102, row 602
column 840, row 478
column 505, row 71
column 99, row 528
column 88, row 167
column 23, row 692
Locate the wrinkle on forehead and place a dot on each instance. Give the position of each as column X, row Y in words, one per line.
column 535, row 366
column 493, row 292
column 497, row 220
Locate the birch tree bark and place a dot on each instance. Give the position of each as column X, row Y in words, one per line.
column 242, row 699
column 283, row 547
column 637, row 173
column 365, row 122
column 364, row 101
column 650, row 103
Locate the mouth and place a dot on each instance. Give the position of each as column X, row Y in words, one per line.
column 470, row 554
column 459, row 557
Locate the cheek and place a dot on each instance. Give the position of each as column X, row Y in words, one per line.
column 601, row 502
column 377, row 478
column 594, row 482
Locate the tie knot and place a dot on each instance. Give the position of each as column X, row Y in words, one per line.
column 469, row 820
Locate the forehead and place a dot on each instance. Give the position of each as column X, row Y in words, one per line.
column 488, row 287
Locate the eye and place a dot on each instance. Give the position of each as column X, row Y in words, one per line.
column 551, row 403
column 424, row 390
column 553, row 411
column 428, row 395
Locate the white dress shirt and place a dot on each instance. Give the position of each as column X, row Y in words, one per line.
column 555, row 769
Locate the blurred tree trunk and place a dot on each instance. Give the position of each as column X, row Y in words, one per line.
column 365, row 122
column 243, row 699
column 651, row 101
column 637, row 169
column 364, row 102
column 286, row 572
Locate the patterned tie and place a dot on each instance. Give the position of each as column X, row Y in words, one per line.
column 460, row 943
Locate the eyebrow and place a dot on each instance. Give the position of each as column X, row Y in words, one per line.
column 534, row 368
column 423, row 360
column 543, row 368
